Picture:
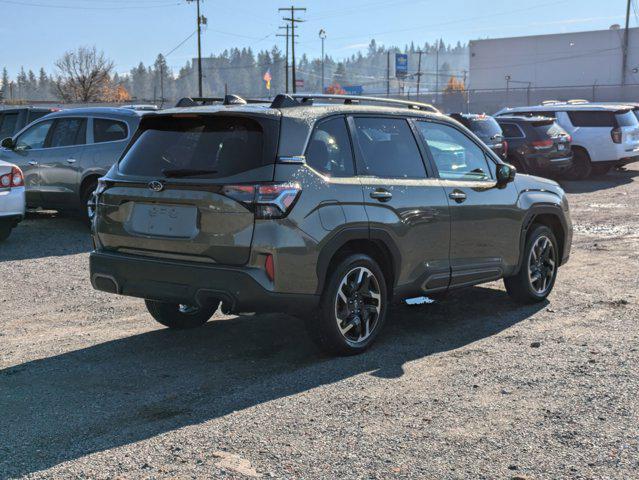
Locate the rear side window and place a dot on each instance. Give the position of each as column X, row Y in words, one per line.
column 329, row 151
column 8, row 123
column 105, row 130
column 195, row 146
column 511, row 130
column 584, row 118
column 626, row 119
column 67, row 131
column 388, row 148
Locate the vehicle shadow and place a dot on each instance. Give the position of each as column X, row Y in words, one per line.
column 67, row 406
column 46, row 234
column 613, row 179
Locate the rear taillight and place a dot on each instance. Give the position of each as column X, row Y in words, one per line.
column 616, row 135
column 269, row 266
column 569, row 138
column 267, row 201
column 505, row 147
column 13, row 179
column 541, row 144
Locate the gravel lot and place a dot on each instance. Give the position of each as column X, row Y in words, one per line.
column 473, row 387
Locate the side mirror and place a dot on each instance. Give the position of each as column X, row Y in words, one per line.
column 8, row 143
column 505, row 174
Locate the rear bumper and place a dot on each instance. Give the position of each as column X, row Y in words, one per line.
column 12, row 204
column 549, row 164
column 240, row 289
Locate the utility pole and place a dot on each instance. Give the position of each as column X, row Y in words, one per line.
column 419, row 72
column 388, row 73
column 322, row 35
column 624, row 65
column 437, row 73
column 286, row 57
column 199, row 47
column 293, row 20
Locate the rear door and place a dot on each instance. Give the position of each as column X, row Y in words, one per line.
column 592, row 130
column 403, row 201
column 108, row 138
column 183, row 188
column 59, row 169
column 485, row 220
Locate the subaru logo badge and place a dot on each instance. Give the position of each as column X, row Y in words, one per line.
column 156, row 186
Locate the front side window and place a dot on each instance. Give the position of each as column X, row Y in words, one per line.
column 67, row 132
column 34, row 137
column 105, row 130
column 388, row 148
column 329, row 151
column 457, row 157
column 8, row 123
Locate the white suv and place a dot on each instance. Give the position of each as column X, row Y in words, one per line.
column 603, row 136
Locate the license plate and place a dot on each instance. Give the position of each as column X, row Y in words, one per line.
column 175, row 221
column 561, row 146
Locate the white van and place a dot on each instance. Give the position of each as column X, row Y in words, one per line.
column 603, row 136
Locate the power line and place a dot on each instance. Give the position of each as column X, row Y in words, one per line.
column 83, row 7
column 293, row 21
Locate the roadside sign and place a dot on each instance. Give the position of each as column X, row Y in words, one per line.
column 401, row 65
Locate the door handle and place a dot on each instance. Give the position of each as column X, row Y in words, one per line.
column 32, row 162
column 381, row 195
column 457, row 195
column 71, row 160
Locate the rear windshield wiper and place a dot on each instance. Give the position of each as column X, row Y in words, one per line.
column 186, row 172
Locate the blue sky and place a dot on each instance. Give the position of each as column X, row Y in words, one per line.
column 33, row 33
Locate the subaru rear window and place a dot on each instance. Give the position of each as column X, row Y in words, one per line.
column 485, row 127
column 203, row 146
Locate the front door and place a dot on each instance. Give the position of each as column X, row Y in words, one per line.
column 60, row 170
column 404, row 202
column 485, row 220
column 28, row 154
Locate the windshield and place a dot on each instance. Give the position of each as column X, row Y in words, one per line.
column 485, row 127
column 195, row 145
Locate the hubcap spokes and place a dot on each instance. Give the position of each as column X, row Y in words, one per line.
column 541, row 265
column 358, row 305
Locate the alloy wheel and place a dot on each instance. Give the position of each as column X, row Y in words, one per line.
column 541, row 265
column 358, row 305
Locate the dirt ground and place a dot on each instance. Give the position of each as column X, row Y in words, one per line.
column 472, row 387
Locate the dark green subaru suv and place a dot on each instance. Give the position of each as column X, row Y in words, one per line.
column 328, row 207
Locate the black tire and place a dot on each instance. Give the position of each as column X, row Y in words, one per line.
column 600, row 170
column 520, row 286
column 581, row 167
column 87, row 193
column 170, row 315
column 5, row 231
column 323, row 327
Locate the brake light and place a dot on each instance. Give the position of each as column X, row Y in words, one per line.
column 569, row 138
column 505, row 147
column 267, row 201
column 541, row 144
column 616, row 135
column 13, row 179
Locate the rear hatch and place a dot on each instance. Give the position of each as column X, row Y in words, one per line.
column 178, row 190
column 489, row 131
column 626, row 122
column 552, row 140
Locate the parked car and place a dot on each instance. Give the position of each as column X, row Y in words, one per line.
column 537, row 145
column 487, row 129
column 328, row 210
column 603, row 136
column 12, row 120
column 12, row 202
column 64, row 153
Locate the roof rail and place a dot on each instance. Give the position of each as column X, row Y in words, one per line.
column 300, row 99
column 226, row 100
column 577, row 101
column 552, row 102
